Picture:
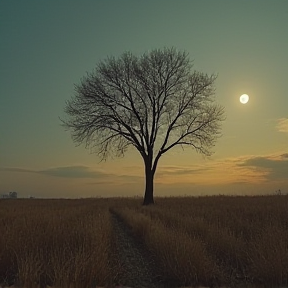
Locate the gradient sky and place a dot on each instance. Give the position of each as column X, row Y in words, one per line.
column 47, row 46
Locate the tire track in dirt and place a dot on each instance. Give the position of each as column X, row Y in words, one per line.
column 137, row 265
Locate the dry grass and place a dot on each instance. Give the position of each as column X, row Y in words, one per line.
column 63, row 243
column 232, row 239
column 183, row 264
column 196, row 241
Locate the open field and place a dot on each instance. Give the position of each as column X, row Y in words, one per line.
column 208, row 241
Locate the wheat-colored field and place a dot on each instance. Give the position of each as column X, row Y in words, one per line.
column 55, row 242
column 216, row 240
column 210, row 241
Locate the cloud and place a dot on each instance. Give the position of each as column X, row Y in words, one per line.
column 180, row 170
column 243, row 169
column 64, row 172
column 130, row 178
column 282, row 125
column 73, row 172
column 285, row 155
column 101, row 183
column 15, row 169
column 275, row 167
column 81, row 172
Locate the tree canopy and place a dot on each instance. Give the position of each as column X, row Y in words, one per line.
column 153, row 103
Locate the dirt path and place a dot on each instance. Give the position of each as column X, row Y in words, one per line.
column 139, row 269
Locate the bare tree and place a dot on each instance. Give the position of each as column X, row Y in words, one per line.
column 153, row 102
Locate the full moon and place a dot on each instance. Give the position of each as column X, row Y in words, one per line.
column 244, row 98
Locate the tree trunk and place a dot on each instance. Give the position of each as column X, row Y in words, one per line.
column 149, row 176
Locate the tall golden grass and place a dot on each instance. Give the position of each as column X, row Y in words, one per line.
column 207, row 241
column 181, row 259
column 216, row 240
column 64, row 243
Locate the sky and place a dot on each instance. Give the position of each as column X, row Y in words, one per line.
column 48, row 46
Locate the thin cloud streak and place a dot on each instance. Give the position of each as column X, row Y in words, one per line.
column 16, row 169
column 244, row 169
column 74, row 172
column 63, row 172
column 248, row 169
column 275, row 168
column 80, row 172
column 181, row 170
column 282, row 125
column 285, row 155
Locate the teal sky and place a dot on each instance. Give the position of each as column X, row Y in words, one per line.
column 47, row 46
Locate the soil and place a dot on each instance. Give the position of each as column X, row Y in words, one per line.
column 139, row 269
